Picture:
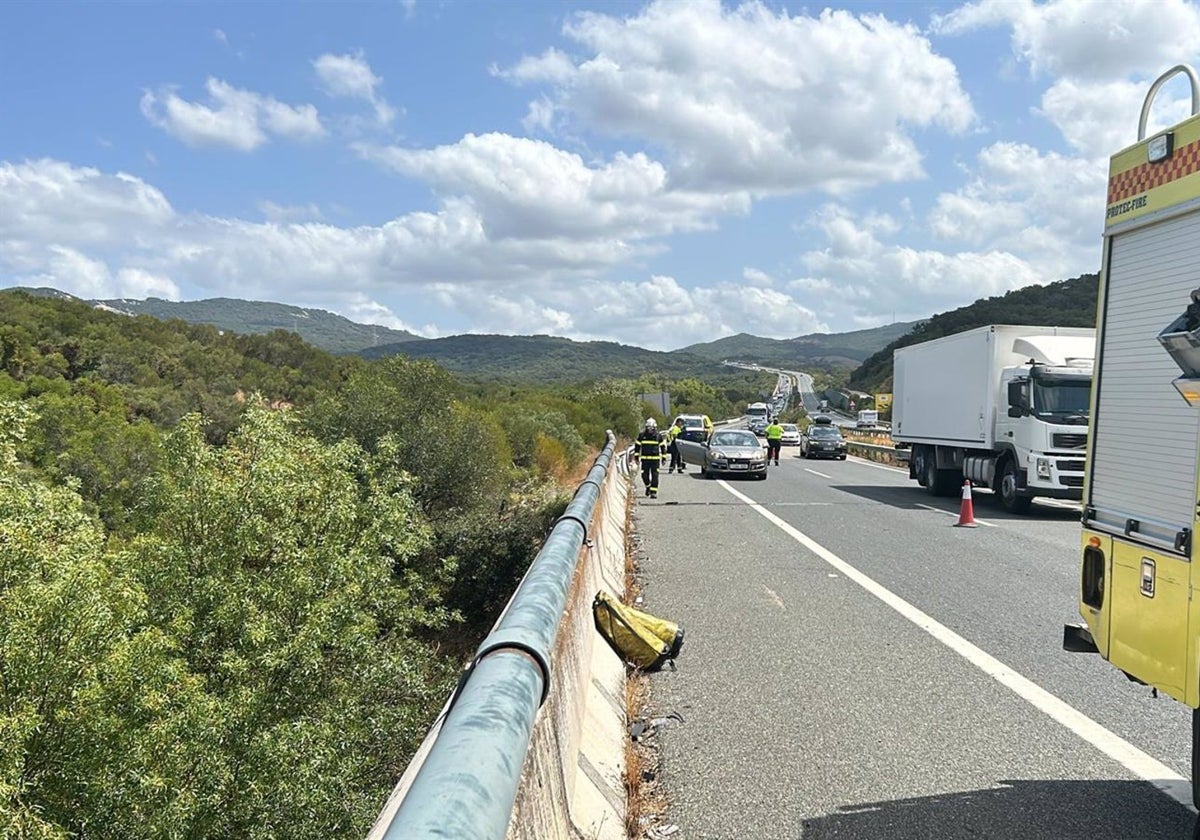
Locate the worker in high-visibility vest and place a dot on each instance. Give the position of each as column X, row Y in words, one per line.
column 673, row 433
column 774, row 435
column 648, row 449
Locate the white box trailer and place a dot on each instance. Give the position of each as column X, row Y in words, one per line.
column 1003, row 405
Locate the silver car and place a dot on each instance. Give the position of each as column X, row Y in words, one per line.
column 733, row 452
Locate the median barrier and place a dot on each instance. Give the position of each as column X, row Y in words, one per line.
column 878, row 452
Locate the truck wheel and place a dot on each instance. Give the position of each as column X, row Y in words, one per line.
column 1009, row 499
column 939, row 482
column 933, row 483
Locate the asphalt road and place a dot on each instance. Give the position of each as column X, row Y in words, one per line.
column 817, row 703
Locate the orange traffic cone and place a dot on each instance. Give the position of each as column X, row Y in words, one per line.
column 966, row 514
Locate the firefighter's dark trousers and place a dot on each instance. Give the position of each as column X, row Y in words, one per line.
column 676, row 458
column 773, row 449
column 650, row 475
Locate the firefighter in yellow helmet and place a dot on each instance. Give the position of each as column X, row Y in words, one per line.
column 649, row 451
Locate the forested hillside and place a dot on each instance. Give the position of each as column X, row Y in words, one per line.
column 549, row 359
column 1067, row 303
column 544, row 358
column 817, row 349
column 238, row 574
column 317, row 327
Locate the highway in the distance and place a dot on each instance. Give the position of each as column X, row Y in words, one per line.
column 856, row 667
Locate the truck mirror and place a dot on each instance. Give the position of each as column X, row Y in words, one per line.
column 1014, row 411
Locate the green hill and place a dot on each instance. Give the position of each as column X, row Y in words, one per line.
column 1067, row 303
column 822, row 349
column 321, row 329
column 545, row 358
column 252, row 317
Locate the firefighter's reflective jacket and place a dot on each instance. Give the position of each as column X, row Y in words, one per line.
column 649, row 444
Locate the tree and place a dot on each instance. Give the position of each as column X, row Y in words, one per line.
column 251, row 668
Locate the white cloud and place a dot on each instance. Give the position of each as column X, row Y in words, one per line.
column 1100, row 118
column 658, row 313
column 1095, row 40
column 137, row 283
column 238, row 119
column 748, row 99
column 530, row 190
column 1043, row 206
column 100, row 235
column 220, row 36
column 861, row 278
column 70, row 271
column 350, row 76
column 1102, row 56
column 40, row 199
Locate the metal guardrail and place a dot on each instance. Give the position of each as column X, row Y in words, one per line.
column 468, row 782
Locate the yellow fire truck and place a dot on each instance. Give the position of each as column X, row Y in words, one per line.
column 1140, row 508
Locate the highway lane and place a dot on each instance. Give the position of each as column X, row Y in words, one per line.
column 813, row 709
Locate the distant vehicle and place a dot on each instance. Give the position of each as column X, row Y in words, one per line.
column 756, row 412
column 823, row 405
column 868, row 418
column 694, row 427
column 823, row 440
column 791, row 435
column 1004, row 406
column 733, row 452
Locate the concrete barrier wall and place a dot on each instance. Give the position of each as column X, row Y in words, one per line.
column 572, row 784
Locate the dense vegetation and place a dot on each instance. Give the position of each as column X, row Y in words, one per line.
column 237, row 573
column 544, row 358
column 1067, row 303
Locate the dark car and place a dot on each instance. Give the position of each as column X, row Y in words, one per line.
column 823, row 440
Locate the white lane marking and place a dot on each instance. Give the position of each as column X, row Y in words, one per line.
column 814, row 472
column 952, row 513
column 855, row 459
column 1108, row 742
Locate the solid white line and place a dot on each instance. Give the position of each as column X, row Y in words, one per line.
column 952, row 513
column 1108, row 742
column 814, row 472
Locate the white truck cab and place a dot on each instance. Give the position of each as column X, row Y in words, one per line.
column 1004, row 406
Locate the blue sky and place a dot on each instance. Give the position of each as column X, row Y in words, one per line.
column 656, row 174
